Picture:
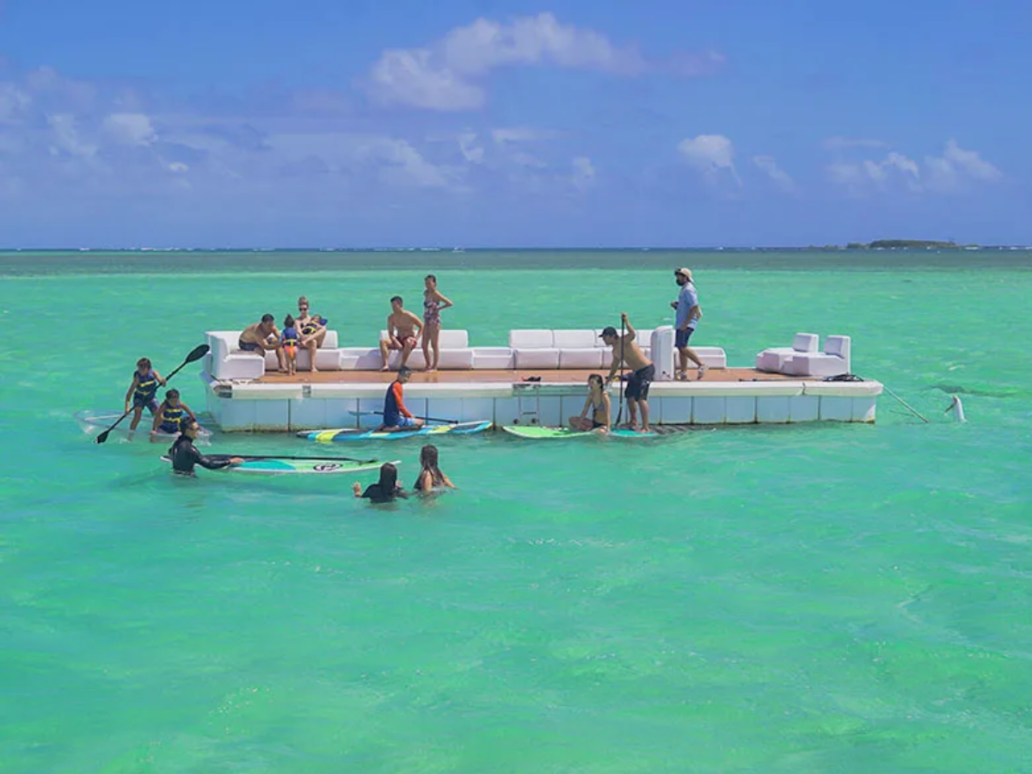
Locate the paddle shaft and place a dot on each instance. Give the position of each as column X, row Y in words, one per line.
column 428, row 419
column 195, row 354
column 619, row 413
column 287, row 457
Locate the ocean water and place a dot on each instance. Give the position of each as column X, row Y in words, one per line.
column 780, row 599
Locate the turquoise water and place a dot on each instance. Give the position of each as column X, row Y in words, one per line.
column 798, row 599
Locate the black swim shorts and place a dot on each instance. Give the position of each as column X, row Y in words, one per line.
column 639, row 381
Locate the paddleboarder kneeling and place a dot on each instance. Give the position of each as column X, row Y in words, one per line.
column 626, row 350
column 184, row 454
column 395, row 415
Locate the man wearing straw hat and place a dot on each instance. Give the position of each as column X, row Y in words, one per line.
column 688, row 314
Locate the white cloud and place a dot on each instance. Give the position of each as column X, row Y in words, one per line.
column 133, row 129
column 445, row 75
column 177, row 166
column 471, row 150
column 780, row 177
column 402, row 164
column 950, row 172
column 65, row 137
column 13, row 102
column 710, row 154
column 521, row 134
column 583, row 173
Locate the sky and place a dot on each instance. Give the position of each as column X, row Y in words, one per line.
column 678, row 123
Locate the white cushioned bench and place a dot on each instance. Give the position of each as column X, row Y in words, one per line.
column 566, row 348
column 774, row 360
column 834, row 361
column 456, row 353
column 228, row 361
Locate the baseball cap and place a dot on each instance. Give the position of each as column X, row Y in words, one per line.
column 685, row 272
column 609, row 330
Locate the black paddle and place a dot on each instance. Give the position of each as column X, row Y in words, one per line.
column 428, row 419
column 198, row 352
column 619, row 414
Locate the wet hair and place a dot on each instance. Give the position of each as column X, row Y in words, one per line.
column 396, row 298
column 431, row 277
column 388, row 479
column 428, row 462
column 143, row 362
column 268, row 318
column 185, row 424
column 173, row 393
column 404, row 371
column 288, row 322
column 597, row 378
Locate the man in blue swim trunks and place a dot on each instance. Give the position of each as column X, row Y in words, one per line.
column 626, row 350
column 263, row 336
column 688, row 314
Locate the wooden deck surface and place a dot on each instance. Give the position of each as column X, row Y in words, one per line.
column 485, row 376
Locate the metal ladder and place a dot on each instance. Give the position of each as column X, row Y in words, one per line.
column 536, row 413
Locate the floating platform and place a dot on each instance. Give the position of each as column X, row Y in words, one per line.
column 726, row 396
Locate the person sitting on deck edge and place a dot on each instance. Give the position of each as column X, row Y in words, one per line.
column 395, row 415
column 403, row 331
column 626, row 350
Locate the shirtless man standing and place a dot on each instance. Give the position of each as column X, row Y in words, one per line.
column 255, row 338
column 403, row 330
column 312, row 329
column 626, row 350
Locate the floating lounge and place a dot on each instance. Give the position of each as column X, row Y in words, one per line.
column 539, row 378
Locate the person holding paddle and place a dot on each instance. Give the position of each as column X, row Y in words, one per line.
column 626, row 350
column 143, row 392
column 395, row 415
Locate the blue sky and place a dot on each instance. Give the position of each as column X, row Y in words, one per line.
column 571, row 123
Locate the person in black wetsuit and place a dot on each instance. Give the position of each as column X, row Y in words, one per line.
column 184, row 454
column 385, row 490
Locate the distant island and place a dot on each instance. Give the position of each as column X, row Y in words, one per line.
column 892, row 244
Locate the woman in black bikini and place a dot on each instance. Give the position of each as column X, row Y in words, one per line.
column 598, row 404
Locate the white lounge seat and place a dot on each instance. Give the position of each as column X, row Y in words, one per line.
column 577, row 349
column 774, row 360
column 360, row 359
column 534, row 348
column 496, row 358
column 834, row 361
column 228, row 361
column 455, row 352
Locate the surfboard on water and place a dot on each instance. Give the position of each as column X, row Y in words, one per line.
column 95, row 422
column 539, row 433
column 358, row 434
column 280, row 466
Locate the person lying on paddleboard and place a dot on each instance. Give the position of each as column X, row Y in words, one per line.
column 142, row 391
column 383, row 491
column 431, row 476
column 395, row 415
column 171, row 414
column 184, row 454
column 626, row 350
column 598, row 403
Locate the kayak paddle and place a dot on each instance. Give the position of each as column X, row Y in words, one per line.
column 196, row 354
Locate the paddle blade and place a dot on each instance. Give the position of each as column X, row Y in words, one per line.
column 198, row 352
column 103, row 436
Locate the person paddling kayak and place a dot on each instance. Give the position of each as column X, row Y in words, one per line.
column 184, row 454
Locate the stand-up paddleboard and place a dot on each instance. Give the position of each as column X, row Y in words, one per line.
column 358, row 434
column 539, row 433
column 93, row 422
column 273, row 466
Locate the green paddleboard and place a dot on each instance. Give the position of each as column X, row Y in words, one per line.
column 538, row 433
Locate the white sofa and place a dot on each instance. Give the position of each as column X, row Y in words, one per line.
column 834, row 361
column 541, row 348
column 228, row 361
column 456, row 353
column 775, row 359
